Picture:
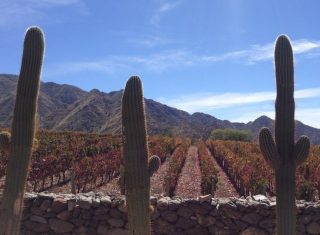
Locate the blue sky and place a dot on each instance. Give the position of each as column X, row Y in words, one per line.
column 211, row 56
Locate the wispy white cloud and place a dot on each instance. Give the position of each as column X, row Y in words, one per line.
column 20, row 11
column 309, row 116
column 154, row 62
column 178, row 58
column 163, row 9
column 264, row 52
column 208, row 102
column 164, row 60
column 245, row 107
column 74, row 67
column 52, row 3
column 307, row 93
column 151, row 41
column 168, row 6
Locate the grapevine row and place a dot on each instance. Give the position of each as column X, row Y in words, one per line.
column 244, row 165
column 175, row 166
column 250, row 174
column 209, row 174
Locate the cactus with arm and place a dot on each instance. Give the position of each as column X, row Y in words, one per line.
column 20, row 144
column 137, row 168
column 283, row 154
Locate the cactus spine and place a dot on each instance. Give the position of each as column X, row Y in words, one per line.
column 22, row 132
column 283, row 154
column 137, row 169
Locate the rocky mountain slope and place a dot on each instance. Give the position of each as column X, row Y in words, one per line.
column 68, row 108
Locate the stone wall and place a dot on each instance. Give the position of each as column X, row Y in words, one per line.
column 90, row 213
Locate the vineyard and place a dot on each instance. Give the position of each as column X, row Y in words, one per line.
column 250, row 174
column 91, row 160
column 79, row 162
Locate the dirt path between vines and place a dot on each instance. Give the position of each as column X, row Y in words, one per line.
column 189, row 182
column 224, row 187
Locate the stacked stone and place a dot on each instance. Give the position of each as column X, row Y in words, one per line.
column 86, row 213
column 90, row 213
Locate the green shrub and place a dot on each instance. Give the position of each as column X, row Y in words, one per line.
column 306, row 191
column 231, row 134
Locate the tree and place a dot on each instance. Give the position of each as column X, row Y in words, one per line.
column 231, row 134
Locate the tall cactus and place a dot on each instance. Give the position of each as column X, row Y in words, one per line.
column 23, row 125
column 283, row 154
column 137, row 169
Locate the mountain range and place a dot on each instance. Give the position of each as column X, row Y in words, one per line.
column 69, row 108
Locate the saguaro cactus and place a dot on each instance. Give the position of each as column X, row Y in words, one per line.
column 283, row 155
column 21, row 141
column 137, row 169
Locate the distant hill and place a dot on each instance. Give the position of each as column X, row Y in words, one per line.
column 68, row 108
